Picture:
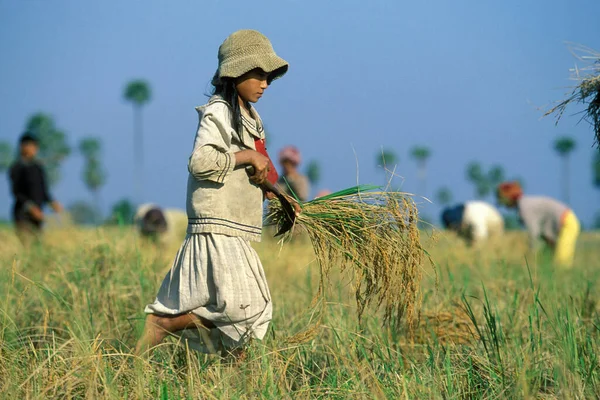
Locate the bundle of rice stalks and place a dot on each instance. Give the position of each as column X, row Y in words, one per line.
column 587, row 91
column 372, row 235
column 446, row 327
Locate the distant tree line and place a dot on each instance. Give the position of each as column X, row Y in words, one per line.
column 54, row 149
column 485, row 180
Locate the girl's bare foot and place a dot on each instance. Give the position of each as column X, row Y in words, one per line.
column 158, row 327
column 153, row 334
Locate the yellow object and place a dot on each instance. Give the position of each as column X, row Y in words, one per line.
column 567, row 239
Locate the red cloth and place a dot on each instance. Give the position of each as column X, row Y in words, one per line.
column 510, row 191
column 272, row 176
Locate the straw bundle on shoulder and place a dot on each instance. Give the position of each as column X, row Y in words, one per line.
column 374, row 236
column 586, row 92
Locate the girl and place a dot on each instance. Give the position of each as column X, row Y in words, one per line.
column 216, row 296
column 544, row 217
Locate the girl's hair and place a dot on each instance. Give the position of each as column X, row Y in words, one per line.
column 226, row 89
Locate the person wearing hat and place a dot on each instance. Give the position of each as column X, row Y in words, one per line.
column 30, row 190
column 292, row 182
column 474, row 221
column 216, row 296
column 546, row 218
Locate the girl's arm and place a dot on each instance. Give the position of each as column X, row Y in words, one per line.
column 212, row 158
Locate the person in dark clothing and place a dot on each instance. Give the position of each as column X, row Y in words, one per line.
column 153, row 224
column 30, row 189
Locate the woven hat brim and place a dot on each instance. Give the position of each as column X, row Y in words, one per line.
column 270, row 63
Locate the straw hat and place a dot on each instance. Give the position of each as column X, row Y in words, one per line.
column 246, row 50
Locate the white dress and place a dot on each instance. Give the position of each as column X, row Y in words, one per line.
column 219, row 278
column 216, row 274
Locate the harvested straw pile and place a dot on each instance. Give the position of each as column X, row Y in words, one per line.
column 372, row 235
column 587, row 92
column 446, row 327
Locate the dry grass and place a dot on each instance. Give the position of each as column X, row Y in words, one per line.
column 586, row 92
column 490, row 326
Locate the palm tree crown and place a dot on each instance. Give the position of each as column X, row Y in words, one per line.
column 564, row 146
column 138, row 92
column 386, row 158
column 420, row 153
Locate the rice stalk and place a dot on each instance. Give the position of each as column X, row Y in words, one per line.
column 373, row 236
column 587, row 92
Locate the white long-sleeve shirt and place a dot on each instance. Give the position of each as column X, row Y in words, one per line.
column 542, row 217
column 220, row 197
column 481, row 220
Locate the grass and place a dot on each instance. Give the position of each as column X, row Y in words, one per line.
column 491, row 326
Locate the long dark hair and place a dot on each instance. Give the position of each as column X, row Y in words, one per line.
column 226, row 89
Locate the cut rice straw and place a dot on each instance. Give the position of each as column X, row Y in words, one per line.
column 373, row 235
column 586, row 92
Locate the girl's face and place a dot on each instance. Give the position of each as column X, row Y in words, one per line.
column 252, row 85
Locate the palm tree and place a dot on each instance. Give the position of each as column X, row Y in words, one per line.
column 138, row 93
column 478, row 178
column 93, row 173
column 596, row 171
column 313, row 172
column 6, row 156
column 421, row 154
column 495, row 176
column 444, row 196
column 564, row 146
column 83, row 213
column 53, row 144
column 122, row 212
column 90, row 147
column 386, row 159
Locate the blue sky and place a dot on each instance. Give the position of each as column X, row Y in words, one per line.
column 466, row 78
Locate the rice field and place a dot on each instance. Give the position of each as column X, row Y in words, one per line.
column 491, row 325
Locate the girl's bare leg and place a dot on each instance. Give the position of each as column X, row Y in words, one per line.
column 157, row 327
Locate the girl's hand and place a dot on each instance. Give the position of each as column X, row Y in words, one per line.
column 261, row 167
column 259, row 163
